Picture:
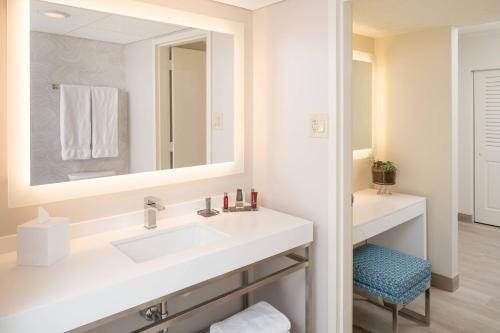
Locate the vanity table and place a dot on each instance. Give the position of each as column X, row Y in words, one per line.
column 397, row 221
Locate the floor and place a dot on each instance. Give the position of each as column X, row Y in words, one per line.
column 474, row 307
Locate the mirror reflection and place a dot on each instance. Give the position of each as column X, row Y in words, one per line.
column 361, row 105
column 114, row 95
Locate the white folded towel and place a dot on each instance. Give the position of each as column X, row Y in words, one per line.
column 261, row 317
column 104, row 122
column 75, row 125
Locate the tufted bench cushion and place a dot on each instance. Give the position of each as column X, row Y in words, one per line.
column 395, row 276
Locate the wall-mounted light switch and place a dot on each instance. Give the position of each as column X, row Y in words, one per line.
column 218, row 120
column 318, row 125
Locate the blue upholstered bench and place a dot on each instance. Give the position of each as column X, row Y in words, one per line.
column 392, row 279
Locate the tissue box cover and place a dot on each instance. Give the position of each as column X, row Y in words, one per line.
column 42, row 244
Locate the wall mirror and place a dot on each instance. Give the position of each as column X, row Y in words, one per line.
column 362, row 104
column 129, row 95
column 113, row 95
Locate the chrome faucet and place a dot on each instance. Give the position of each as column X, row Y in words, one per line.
column 151, row 205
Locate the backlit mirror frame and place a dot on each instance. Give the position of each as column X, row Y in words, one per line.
column 21, row 193
column 367, row 57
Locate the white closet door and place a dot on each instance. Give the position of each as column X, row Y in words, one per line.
column 487, row 146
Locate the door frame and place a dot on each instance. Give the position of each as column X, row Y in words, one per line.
column 340, row 168
column 173, row 40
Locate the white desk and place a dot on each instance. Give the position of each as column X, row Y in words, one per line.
column 397, row 221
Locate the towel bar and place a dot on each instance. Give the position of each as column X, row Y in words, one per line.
column 226, row 297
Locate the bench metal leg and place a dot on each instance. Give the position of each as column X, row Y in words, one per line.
column 395, row 322
column 428, row 306
column 426, row 319
column 410, row 314
column 395, row 308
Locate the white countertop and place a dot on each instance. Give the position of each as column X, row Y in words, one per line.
column 96, row 280
column 370, row 206
column 375, row 214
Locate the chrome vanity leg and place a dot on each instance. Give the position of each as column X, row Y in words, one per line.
column 308, row 296
column 244, row 281
column 164, row 313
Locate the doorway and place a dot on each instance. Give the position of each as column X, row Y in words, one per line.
column 487, row 146
column 183, row 108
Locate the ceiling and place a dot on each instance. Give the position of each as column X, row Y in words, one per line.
column 249, row 4
column 380, row 18
column 94, row 25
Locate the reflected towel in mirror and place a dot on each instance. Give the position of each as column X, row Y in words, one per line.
column 104, row 122
column 75, row 122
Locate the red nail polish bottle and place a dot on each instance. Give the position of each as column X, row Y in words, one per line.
column 226, row 202
column 254, row 199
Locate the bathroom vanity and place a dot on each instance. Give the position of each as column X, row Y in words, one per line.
column 94, row 109
column 116, row 267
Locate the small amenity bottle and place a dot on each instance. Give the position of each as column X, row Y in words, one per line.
column 239, row 199
column 226, row 202
column 254, row 199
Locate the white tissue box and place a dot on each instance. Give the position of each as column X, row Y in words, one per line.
column 42, row 244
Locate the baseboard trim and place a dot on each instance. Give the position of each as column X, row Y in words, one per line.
column 465, row 218
column 445, row 283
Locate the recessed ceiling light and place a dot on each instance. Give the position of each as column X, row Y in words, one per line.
column 56, row 14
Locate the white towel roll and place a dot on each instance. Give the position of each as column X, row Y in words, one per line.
column 261, row 317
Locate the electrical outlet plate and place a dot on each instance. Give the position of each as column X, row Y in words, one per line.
column 318, row 125
column 218, row 121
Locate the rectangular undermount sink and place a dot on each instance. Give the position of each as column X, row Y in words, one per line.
column 166, row 242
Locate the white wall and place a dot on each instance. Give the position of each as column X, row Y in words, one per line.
column 290, row 168
column 140, row 85
column 414, row 73
column 480, row 50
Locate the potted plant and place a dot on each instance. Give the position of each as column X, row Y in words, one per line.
column 383, row 173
